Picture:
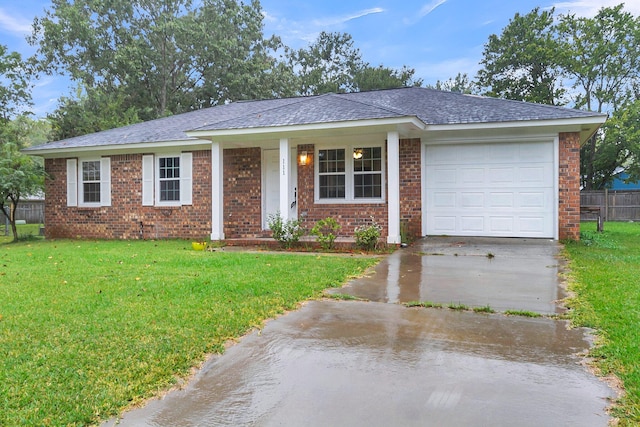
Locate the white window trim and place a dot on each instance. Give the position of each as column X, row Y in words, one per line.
column 349, row 175
column 75, row 187
column 151, row 179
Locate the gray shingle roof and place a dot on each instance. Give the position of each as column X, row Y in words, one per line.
column 431, row 106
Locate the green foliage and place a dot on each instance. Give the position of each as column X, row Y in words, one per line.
column 522, row 313
column 523, row 63
column 367, row 235
column 161, row 57
column 459, row 84
column 425, row 304
column 20, row 176
column 15, row 86
column 325, row 231
column 78, row 348
column 286, row 232
column 380, row 77
column 604, row 280
column 91, row 111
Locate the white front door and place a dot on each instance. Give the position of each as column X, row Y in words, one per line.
column 271, row 184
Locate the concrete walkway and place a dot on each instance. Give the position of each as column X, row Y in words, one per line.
column 343, row 363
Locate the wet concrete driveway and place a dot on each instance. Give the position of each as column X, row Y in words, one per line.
column 346, row 363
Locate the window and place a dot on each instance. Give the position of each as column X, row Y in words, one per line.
column 367, row 173
column 331, row 171
column 350, row 174
column 166, row 179
column 169, row 179
column 91, row 181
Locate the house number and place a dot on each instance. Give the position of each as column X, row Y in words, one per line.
column 284, row 172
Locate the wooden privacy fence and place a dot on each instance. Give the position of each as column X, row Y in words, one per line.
column 615, row 205
column 31, row 211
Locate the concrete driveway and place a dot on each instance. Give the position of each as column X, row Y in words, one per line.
column 377, row 363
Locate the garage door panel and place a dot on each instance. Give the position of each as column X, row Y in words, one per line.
column 471, row 200
column 507, row 190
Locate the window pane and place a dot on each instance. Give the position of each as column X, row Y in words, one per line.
column 170, row 190
column 331, row 161
column 367, row 186
column 367, row 159
column 91, row 192
column 169, row 167
column 332, row 187
column 91, row 171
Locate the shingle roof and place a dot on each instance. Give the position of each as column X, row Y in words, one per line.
column 431, row 106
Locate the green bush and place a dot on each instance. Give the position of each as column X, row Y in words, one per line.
column 367, row 235
column 325, row 231
column 286, row 232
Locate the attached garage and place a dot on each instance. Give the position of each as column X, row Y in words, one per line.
column 491, row 189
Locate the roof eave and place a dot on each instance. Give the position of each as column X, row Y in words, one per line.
column 587, row 126
column 140, row 147
column 294, row 130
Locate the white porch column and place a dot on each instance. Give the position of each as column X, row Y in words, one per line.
column 217, row 193
column 393, row 186
column 284, row 166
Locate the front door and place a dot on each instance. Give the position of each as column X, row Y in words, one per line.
column 271, row 184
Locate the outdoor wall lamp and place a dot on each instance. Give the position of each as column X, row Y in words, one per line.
column 303, row 159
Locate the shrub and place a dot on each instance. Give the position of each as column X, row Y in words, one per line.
column 325, row 231
column 367, row 235
column 286, row 232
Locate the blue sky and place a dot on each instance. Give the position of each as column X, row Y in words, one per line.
column 438, row 38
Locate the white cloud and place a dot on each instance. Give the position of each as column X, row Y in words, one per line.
column 14, row 24
column 428, row 8
column 339, row 20
column 589, row 8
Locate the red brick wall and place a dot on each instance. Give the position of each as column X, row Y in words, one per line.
column 411, row 188
column 243, row 193
column 569, row 187
column 126, row 218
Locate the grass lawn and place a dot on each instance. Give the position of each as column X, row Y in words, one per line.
column 606, row 279
column 88, row 328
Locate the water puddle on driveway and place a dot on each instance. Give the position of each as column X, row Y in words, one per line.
column 374, row 364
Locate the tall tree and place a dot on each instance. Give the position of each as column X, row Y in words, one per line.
column 523, row 63
column 328, row 65
column 91, row 111
column 602, row 57
column 380, row 77
column 170, row 55
column 15, row 93
column 20, row 175
column 460, row 84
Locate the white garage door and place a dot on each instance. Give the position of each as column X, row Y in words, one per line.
column 502, row 190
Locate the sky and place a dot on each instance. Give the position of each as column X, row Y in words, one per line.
column 437, row 38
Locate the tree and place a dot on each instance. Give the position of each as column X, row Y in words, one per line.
column 20, row 175
column 620, row 146
column 523, row 63
column 328, row 65
column 460, row 84
column 160, row 57
column 602, row 56
column 91, row 111
column 15, row 86
column 380, row 77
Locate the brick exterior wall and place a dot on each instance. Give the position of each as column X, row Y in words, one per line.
column 411, row 188
column 569, row 187
column 126, row 218
column 243, row 193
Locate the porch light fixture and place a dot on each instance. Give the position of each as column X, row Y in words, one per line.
column 303, row 159
column 357, row 153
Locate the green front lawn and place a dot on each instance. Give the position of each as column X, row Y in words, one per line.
column 89, row 328
column 606, row 280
